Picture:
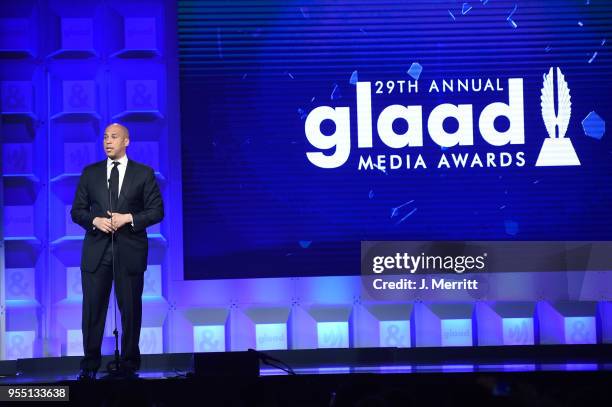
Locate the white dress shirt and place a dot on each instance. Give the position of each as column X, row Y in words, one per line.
column 121, row 168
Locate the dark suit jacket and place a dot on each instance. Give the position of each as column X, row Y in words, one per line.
column 139, row 196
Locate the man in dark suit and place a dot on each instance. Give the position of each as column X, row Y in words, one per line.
column 116, row 198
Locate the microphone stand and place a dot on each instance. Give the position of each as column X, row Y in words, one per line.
column 114, row 366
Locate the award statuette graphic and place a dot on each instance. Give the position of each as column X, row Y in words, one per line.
column 557, row 150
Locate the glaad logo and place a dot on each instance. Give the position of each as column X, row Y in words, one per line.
column 334, row 148
column 556, row 150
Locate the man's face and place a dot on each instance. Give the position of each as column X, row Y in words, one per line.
column 115, row 142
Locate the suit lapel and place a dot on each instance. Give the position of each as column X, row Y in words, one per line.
column 127, row 182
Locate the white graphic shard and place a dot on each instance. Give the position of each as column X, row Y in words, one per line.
column 557, row 150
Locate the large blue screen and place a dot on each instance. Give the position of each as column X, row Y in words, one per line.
column 310, row 126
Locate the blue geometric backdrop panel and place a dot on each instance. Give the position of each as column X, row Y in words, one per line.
column 68, row 70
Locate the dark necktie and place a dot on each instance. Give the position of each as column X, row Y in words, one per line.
column 114, row 186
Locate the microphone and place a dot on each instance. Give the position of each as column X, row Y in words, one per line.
column 114, row 367
column 110, row 203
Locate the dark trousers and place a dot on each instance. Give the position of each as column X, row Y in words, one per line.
column 96, row 294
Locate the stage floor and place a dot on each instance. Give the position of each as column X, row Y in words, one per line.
column 52, row 377
column 530, row 375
